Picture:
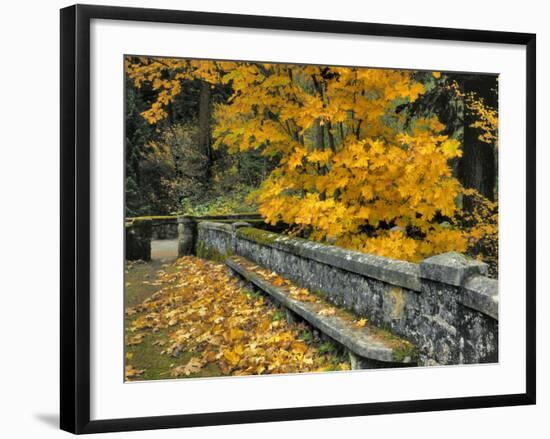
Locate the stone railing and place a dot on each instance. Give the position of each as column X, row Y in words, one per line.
column 188, row 228
column 165, row 228
column 162, row 227
column 141, row 231
column 445, row 305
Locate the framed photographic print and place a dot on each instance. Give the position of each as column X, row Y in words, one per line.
column 286, row 218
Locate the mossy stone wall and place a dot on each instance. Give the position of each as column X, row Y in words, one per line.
column 445, row 305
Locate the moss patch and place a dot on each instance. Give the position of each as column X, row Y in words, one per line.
column 147, row 356
column 233, row 220
column 398, row 302
column 205, row 252
column 258, row 236
column 138, row 280
column 401, row 348
column 152, row 217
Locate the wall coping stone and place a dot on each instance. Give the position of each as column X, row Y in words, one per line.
column 475, row 291
column 162, row 221
column 481, row 293
column 451, row 268
column 142, row 223
column 240, row 224
column 232, row 216
column 222, row 227
column 185, row 219
column 392, row 271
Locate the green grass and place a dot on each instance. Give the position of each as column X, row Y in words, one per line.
column 147, row 355
column 278, row 315
column 252, row 294
column 135, row 291
column 306, row 336
column 327, row 348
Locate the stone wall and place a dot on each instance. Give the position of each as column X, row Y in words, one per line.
column 138, row 240
column 165, row 228
column 141, row 231
column 445, row 305
column 188, row 228
column 215, row 240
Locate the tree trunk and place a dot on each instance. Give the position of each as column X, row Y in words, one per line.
column 476, row 168
column 204, row 125
column 319, row 135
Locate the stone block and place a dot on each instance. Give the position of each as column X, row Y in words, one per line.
column 481, row 293
column 187, row 235
column 361, row 363
column 392, row 271
column 451, row 268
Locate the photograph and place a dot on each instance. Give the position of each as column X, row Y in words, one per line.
column 268, row 220
column 297, row 218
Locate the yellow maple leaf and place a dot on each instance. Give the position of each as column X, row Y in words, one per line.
column 278, row 281
column 232, row 357
column 451, row 148
column 131, row 372
column 193, row 366
column 327, row 312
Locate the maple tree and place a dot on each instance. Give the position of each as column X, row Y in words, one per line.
column 351, row 169
column 486, row 121
column 186, row 93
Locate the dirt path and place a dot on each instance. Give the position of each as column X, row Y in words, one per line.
column 164, row 249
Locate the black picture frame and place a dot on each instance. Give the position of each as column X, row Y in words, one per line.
column 75, row 217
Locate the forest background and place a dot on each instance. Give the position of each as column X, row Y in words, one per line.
column 398, row 163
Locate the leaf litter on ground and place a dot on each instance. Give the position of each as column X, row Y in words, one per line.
column 209, row 314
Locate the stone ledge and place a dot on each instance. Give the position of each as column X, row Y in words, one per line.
column 360, row 341
column 451, row 268
column 221, row 227
column 164, row 221
column 239, row 225
column 476, row 291
column 228, row 217
column 481, row 293
column 392, row 271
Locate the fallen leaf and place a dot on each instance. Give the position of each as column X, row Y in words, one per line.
column 193, row 366
column 278, row 281
column 136, row 339
column 130, row 372
column 327, row 312
column 201, row 310
column 232, row 357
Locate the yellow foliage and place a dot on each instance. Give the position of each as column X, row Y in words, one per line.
column 486, row 119
column 346, row 161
